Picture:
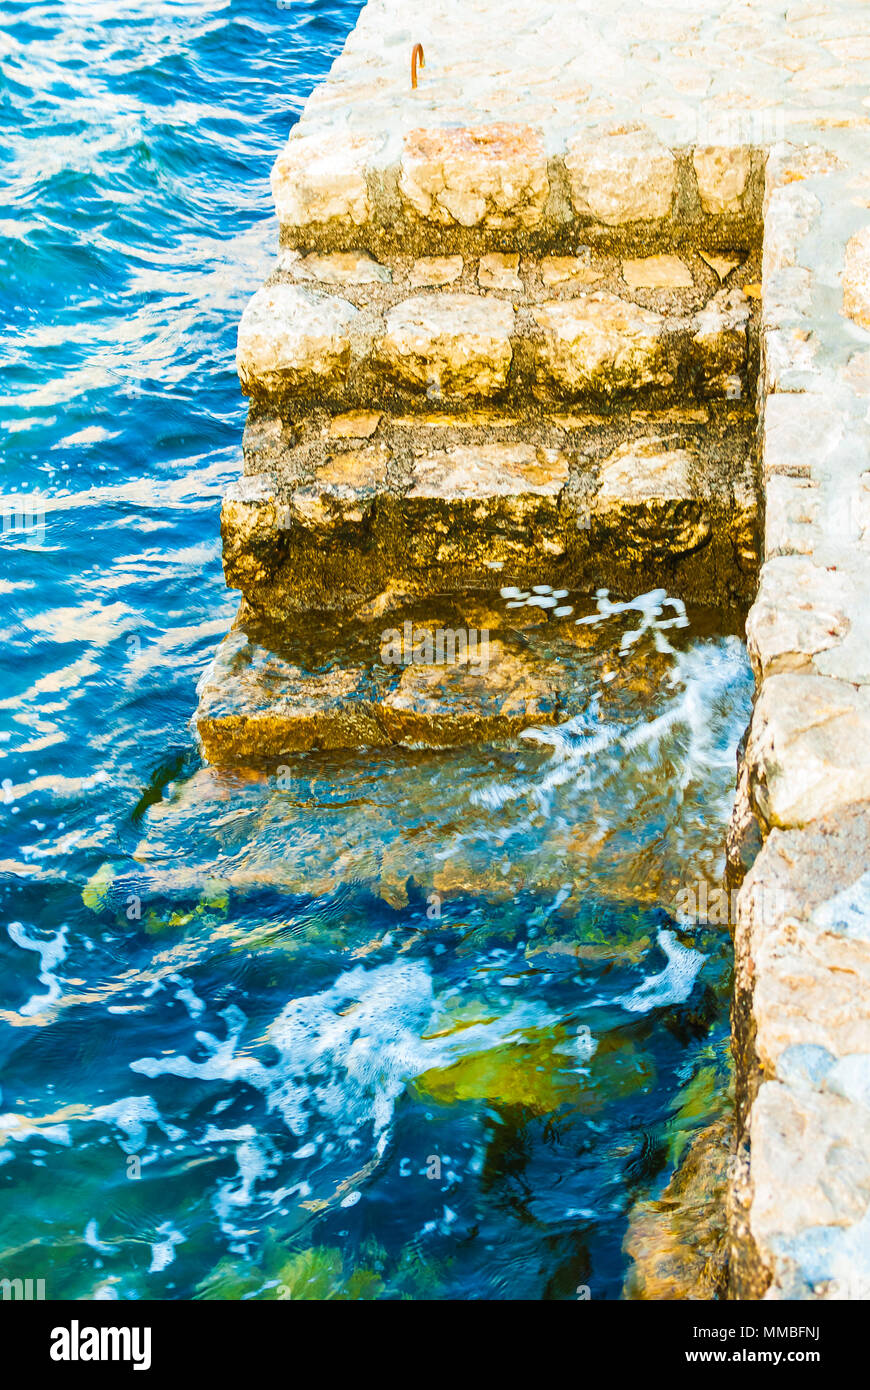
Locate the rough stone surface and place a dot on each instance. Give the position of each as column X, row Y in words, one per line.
column 602, row 343
column 802, row 948
column 656, row 273
column 624, row 177
column 722, row 173
column 568, row 270
column 809, row 748
column 498, row 271
column 678, row 1243
column 316, row 179
column 456, row 344
column 341, row 268
column 720, row 343
column 290, row 336
column 800, row 611
column 361, row 513
column 856, row 278
column 494, row 173
column 436, row 270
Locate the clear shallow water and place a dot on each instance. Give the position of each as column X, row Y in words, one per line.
column 244, row 1051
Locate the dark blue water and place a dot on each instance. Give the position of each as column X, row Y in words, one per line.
column 244, row 1052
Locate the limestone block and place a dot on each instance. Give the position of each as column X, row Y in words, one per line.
column 809, row 747
column 647, row 495
column 856, row 278
column 294, row 337
column 450, row 344
column 465, row 472
column 791, row 513
column 568, row 270
column 317, row 178
column 719, row 343
column 801, row 433
column 623, row 177
column 810, row 1163
column 811, row 990
column 598, row 342
column 791, row 212
column 342, row 268
column 788, row 358
column 355, row 424
column 436, row 270
column 254, row 703
column 498, row 271
column 790, row 516
column 493, row 176
column 722, row 172
column 722, row 266
column 800, row 610
column 657, row 273
column 463, row 702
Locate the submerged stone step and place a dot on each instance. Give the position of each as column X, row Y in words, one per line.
column 443, row 330
column 434, row 673
column 427, row 505
column 424, row 685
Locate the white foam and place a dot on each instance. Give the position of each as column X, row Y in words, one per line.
column 163, row 1251
column 92, row 1238
column 50, row 953
column 344, row 1057
column 673, row 985
column 132, row 1115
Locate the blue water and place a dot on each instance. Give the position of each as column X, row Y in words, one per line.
column 185, row 1109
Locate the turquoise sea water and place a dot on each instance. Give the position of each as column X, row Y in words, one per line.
column 243, row 1052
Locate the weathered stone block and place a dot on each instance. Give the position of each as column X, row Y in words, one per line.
column 499, row 271
column 723, row 173
column 600, row 343
column 494, row 176
column 294, row 337
column 560, row 271
column 810, row 1164
column 619, row 178
column 317, row 178
column 449, row 344
column 489, row 470
column 809, row 748
column 856, row 278
column 648, row 497
column 800, row 611
column 657, row 273
column 436, row 270
column 790, row 515
column 719, row 343
column 342, row 268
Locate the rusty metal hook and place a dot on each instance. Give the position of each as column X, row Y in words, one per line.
column 416, row 52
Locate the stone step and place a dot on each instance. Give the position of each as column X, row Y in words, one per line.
column 344, row 329
column 419, row 174
column 353, row 510
column 430, row 673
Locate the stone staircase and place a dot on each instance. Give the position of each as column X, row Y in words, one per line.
column 439, row 429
